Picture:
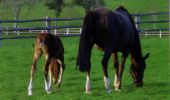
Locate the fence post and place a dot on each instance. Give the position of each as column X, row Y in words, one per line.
column 146, row 34
column 160, row 33
column 80, row 30
column 30, row 31
column 6, row 30
column 137, row 22
column 47, row 24
column 18, row 33
column 55, row 31
column 0, row 33
column 67, row 31
column 154, row 19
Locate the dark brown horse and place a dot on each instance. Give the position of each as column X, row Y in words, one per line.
column 52, row 48
column 111, row 32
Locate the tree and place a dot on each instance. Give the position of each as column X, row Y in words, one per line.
column 55, row 5
column 89, row 4
column 16, row 6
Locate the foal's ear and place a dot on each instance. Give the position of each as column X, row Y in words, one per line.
column 146, row 56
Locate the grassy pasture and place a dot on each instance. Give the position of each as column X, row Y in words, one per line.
column 16, row 60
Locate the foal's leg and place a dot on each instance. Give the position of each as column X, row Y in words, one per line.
column 46, row 70
column 88, row 84
column 50, row 75
column 37, row 55
column 120, row 72
column 61, row 66
column 105, row 59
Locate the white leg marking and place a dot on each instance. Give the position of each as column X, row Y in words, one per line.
column 60, row 76
column 47, row 88
column 116, row 83
column 61, row 73
column 107, row 85
column 50, row 79
column 30, row 88
column 88, row 85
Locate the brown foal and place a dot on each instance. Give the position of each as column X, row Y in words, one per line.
column 52, row 48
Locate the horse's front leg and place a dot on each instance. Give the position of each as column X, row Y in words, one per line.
column 88, row 84
column 116, row 66
column 37, row 55
column 119, row 72
column 46, row 70
column 105, row 59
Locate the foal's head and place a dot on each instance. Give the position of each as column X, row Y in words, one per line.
column 41, row 39
column 137, row 70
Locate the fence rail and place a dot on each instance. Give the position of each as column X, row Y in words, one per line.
column 66, row 30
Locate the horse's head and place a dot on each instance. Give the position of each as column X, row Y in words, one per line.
column 137, row 70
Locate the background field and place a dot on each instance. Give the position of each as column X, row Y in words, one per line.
column 16, row 60
column 39, row 10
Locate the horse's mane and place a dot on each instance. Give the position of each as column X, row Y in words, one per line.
column 121, row 8
column 137, row 40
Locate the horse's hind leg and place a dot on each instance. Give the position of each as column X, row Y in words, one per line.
column 37, row 55
column 46, row 70
column 105, row 59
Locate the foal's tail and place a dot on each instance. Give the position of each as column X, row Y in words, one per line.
column 86, row 42
column 55, row 69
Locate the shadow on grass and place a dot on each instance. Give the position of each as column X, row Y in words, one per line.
column 157, row 88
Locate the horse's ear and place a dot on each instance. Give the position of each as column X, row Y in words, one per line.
column 146, row 56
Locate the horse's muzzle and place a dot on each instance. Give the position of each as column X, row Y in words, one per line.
column 138, row 84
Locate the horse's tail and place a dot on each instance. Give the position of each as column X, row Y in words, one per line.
column 86, row 42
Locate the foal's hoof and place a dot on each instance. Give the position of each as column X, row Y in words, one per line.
column 59, row 85
column 48, row 91
column 87, row 92
column 29, row 93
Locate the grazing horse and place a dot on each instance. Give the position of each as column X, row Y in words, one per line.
column 111, row 32
column 52, row 48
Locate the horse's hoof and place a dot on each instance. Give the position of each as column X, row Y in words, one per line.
column 117, row 89
column 88, row 92
column 109, row 91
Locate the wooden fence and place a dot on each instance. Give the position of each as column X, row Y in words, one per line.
column 7, row 32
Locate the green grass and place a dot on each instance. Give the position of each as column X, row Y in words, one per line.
column 16, row 60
